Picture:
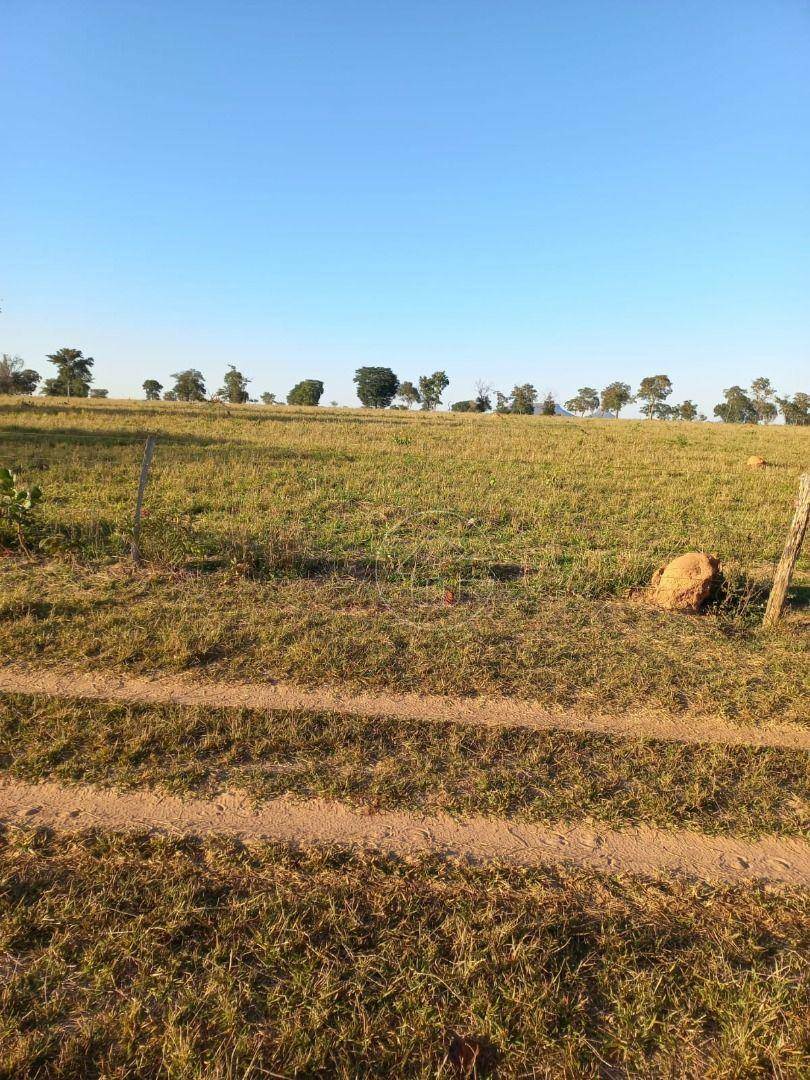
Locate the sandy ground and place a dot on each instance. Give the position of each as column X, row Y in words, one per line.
column 490, row 712
column 645, row 851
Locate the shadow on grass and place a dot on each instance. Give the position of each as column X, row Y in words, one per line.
column 94, row 441
column 209, row 411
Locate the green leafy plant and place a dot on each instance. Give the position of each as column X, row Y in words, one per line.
column 17, row 504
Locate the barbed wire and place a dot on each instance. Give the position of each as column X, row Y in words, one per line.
column 67, row 436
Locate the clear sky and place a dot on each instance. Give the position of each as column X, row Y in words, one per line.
column 562, row 192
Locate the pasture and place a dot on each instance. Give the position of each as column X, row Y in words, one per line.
column 492, row 560
column 423, row 552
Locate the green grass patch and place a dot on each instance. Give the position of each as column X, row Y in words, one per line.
column 410, row 765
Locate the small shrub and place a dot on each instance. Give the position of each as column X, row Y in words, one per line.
column 17, row 505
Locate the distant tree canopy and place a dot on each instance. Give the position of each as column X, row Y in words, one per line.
column 586, row 401
column 481, row 403
column 431, row 388
column 73, row 374
column 522, row 399
column 152, row 389
column 15, row 378
column 687, row 410
column 189, row 385
column 796, row 410
column 235, row 388
column 408, row 394
column 376, row 386
column 306, row 392
column 654, row 390
column 614, row 397
column 761, row 394
column 483, row 399
column 738, row 408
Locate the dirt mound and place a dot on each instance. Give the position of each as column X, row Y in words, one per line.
column 686, row 583
column 756, row 462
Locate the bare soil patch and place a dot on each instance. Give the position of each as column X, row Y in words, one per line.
column 641, row 850
column 485, row 711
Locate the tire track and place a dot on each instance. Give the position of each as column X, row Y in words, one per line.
column 482, row 711
column 642, row 850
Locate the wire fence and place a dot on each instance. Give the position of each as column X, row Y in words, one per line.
column 114, row 511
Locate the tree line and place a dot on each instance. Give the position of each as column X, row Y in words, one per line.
column 380, row 388
column 73, row 376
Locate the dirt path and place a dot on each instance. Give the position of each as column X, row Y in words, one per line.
column 489, row 712
column 643, row 850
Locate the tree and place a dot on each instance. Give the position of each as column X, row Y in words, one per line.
column 268, row 399
column 408, row 394
column 738, row 408
column 431, row 388
column 481, row 403
column 687, row 410
column 73, row 375
column 376, row 386
column 189, row 385
column 307, row 392
column 27, row 381
column 522, row 399
column 796, row 410
column 483, row 400
column 235, row 389
column 587, row 400
column 152, row 389
column 549, row 406
column 99, row 392
column 654, row 389
column 502, row 403
column 170, row 395
column 16, row 379
column 615, row 396
column 761, row 394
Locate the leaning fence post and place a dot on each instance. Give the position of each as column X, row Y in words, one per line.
column 784, row 571
column 148, row 450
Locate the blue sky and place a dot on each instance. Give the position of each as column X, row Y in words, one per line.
column 564, row 193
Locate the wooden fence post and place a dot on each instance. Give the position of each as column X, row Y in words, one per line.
column 784, row 571
column 148, row 450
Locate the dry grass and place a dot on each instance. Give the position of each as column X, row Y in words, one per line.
column 392, row 764
column 317, row 545
column 140, row 958
column 566, row 651
column 585, row 508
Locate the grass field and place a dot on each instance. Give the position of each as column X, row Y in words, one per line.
column 317, row 547
column 377, row 763
column 581, row 508
column 128, row 958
